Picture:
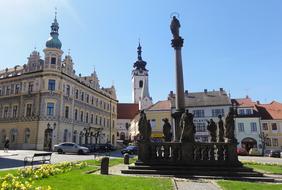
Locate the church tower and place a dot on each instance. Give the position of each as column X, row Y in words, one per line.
column 140, row 84
column 53, row 52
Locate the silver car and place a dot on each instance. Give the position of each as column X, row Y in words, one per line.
column 69, row 147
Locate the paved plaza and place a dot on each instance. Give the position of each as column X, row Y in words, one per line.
column 14, row 158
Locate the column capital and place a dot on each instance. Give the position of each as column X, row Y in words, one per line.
column 177, row 43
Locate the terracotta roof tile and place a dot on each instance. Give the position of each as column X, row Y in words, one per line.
column 160, row 105
column 270, row 111
column 127, row 110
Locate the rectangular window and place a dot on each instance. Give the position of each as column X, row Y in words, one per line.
column 200, row 127
column 15, row 111
column 30, row 87
column 199, row 113
column 274, row 126
column 274, row 142
column 87, row 98
column 268, row 142
column 28, row 110
column 6, row 110
column 265, row 127
column 76, row 94
column 81, row 116
column 92, row 100
column 153, row 123
column 96, row 119
column 82, row 96
column 75, row 114
column 248, row 112
column 8, row 89
column 104, row 123
column 51, row 84
column 253, row 127
column 86, row 118
column 67, row 112
column 92, row 118
column 53, row 60
column 100, row 120
column 241, row 127
column 241, row 112
column 17, row 88
column 68, row 90
column 50, row 109
column 217, row 112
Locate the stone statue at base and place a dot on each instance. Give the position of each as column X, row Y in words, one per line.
column 212, row 128
column 143, row 127
column 220, row 129
column 187, row 127
column 230, row 126
column 167, row 130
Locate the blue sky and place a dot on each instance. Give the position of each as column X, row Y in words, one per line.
column 236, row 45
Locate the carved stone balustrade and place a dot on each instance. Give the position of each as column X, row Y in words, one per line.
column 176, row 153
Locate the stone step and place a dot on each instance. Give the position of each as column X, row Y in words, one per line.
column 192, row 173
column 186, row 168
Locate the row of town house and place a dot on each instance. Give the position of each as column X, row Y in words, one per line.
column 256, row 125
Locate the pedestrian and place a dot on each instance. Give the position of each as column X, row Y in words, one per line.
column 6, row 145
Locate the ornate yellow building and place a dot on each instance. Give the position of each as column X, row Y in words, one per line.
column 44, row 102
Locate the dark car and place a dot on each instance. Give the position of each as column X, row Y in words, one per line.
column 275, row 153
column 104, row 147
column 130, row 150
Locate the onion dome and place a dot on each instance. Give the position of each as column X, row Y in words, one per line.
column 53, row 41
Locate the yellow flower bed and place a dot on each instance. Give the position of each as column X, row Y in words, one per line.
column 24, row 178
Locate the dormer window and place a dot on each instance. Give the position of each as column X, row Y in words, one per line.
column 53, row 60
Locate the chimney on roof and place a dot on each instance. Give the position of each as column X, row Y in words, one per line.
column 205, row 91
column 170, row 94
column 258, row 102
column 221, row 89
column 186, row 92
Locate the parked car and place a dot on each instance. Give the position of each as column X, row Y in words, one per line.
column 130, row 150
column 275, row 153
column 242, row 152
column 267, row 153
column 254, row 152
column 104, row 147
column 69, row 147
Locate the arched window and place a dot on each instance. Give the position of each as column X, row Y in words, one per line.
column 65, row 135
column 13, row 135
column 140, row 83
column 26, row 135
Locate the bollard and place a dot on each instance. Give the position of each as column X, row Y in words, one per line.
column 105, row 166
column 126, row 158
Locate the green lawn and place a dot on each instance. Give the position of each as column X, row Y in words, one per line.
column 237, row 185
column 78, row 179
column 265, row 168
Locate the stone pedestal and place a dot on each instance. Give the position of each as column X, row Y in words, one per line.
column 144, row 151
column 126, row 158
column 105, row 166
